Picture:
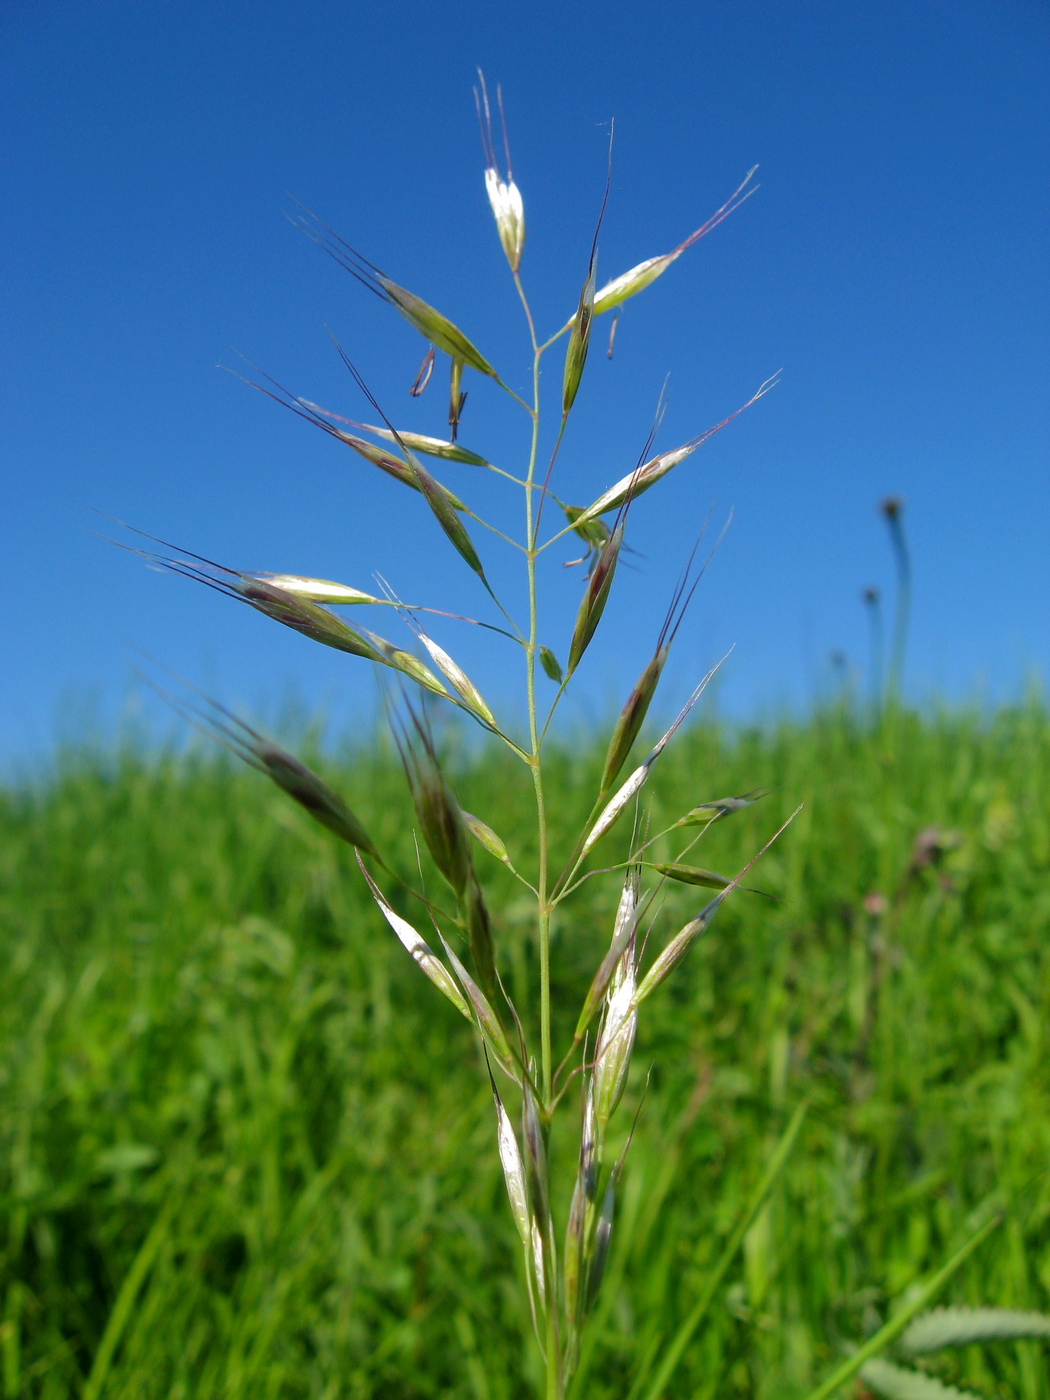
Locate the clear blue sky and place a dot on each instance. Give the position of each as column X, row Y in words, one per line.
column 894, row 263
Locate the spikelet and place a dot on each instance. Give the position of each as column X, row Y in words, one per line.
column 504, row 195
column 513, row 1170
column 404, row 662
column 623, row 932
column 315, row 622
column 580, row 326
column 458, row 680
column 435, row 327
column 676, row 950
column 396, row 467
column 456, row 398
column 313, row 794
column 440, row 818
column 691, row 875
column 417, row 442
column 430, row 323
column 708, row 812
column 479, row 932
column 602, row 1238
column 593, row 531
column 509, row 210
column 551, row 665
column 386, row 461
column 488, row 1021
column 649, row 473
column 534, row 1138
column 572, row 1267
column 632, row 717
column 579, row 343
column 580, row 1226
column 485, row 836
column 595, row 596
column 614, row 808
column 612, row 1055
column 633, row 714
column 310, row 619
column 316, row 590
column 637, row 278
column 445, row 514
column 414, row 943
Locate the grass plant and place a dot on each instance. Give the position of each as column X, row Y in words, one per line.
column 246, row 1271
column 564, row 1252
column 245, row 1145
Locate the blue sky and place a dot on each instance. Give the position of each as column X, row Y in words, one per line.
column 893, row 264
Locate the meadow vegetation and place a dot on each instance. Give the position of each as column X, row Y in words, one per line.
column 246, row 1152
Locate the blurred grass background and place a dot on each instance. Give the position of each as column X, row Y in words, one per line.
column 248, row 1152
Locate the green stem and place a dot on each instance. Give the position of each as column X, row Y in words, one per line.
column 543, row 911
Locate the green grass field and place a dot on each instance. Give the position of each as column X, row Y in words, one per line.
column 248, row 1152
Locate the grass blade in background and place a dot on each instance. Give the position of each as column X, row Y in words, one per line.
column 669, row 1362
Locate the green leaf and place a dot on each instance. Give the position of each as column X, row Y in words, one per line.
column 957, row 1327
column 896, row 1325
column 896, row 1383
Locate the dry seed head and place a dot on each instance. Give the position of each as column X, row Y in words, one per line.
column 323, row 804
column 595, row 596
column 458, row 680
column 486, row 837
column 413, row 942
